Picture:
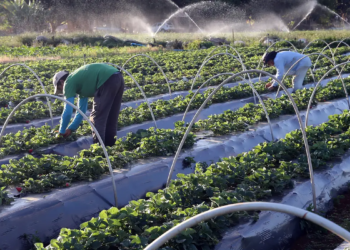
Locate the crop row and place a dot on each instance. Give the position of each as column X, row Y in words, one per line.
column 29, row 111
column 19, row 91
column 175, row 65
column 229, row 121
column 37, row 110
column 264, row 171
column 28, row 51
column 37, row 175
column 41, row 174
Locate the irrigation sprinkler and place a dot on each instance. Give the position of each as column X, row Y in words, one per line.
column 38, row 78
column 143, row 93
column 314, row 91
column 295, row 109
column 249, row 83
column 160, row 68
column 250, row 206
column 341, row 78
column 84, row 116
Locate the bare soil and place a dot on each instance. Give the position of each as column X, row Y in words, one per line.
column 317, row 238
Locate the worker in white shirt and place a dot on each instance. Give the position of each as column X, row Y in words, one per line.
column 283, row 61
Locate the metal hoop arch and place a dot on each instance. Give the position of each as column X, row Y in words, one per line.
column 138, row 85
column 261, row 59
column 296, row 111
column 314, row 91
column 335, row 51
column 252, row 87
column 206, row 61
column 250, row 206
column 84, row 116
column 333, row 54
column 273, row 44
column 39, row 80
column 318, row 40
column 227, row 46
column 151, row 58
column 284, row 49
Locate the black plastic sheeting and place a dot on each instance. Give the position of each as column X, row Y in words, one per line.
column 278, row 230
column 14, row 128
column 344, row 246
column 72, row 148
column 136, row 103
column 70, row 207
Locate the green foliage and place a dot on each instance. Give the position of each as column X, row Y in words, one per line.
column 38, row 175
column 4, row 198
column 255, row 175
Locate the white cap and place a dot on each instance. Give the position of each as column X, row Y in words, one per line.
column 57, row 77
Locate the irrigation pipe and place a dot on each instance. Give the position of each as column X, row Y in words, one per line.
column 250, row 84
column 160, row 68
column 314, row 91
column 37, row 77
column 143, row 93
column 296, row 111
column 250, row 206
column 84, row 116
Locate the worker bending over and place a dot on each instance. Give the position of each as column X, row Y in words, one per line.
column 283, row 61
column 102, row 82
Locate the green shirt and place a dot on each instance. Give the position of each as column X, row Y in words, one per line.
column 87, row 79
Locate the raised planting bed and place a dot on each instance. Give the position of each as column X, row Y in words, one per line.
column 46, row 70
column 215, row 118
column 269, row 169
column 315, row 237
column 146, row 144
column 149, row 176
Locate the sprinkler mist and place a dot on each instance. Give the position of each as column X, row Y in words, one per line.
column 183, row 10
column 311, row 8
column 174, row 4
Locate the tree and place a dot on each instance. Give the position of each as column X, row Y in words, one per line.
column 23, row 16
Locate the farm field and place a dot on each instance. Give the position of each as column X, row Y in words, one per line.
column 233, row 153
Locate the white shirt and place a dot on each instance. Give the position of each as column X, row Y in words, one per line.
column 286, row 59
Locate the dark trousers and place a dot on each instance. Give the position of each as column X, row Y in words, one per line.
column 106, row 108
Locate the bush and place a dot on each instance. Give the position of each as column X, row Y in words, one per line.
column 193, row 45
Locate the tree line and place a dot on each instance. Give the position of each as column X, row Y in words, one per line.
column 17, row 16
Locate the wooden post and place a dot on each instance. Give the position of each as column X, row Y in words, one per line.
column 233, row 36
column 268, row 40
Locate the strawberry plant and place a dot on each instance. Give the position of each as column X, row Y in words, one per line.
column 265, row 170
column 4, row 198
